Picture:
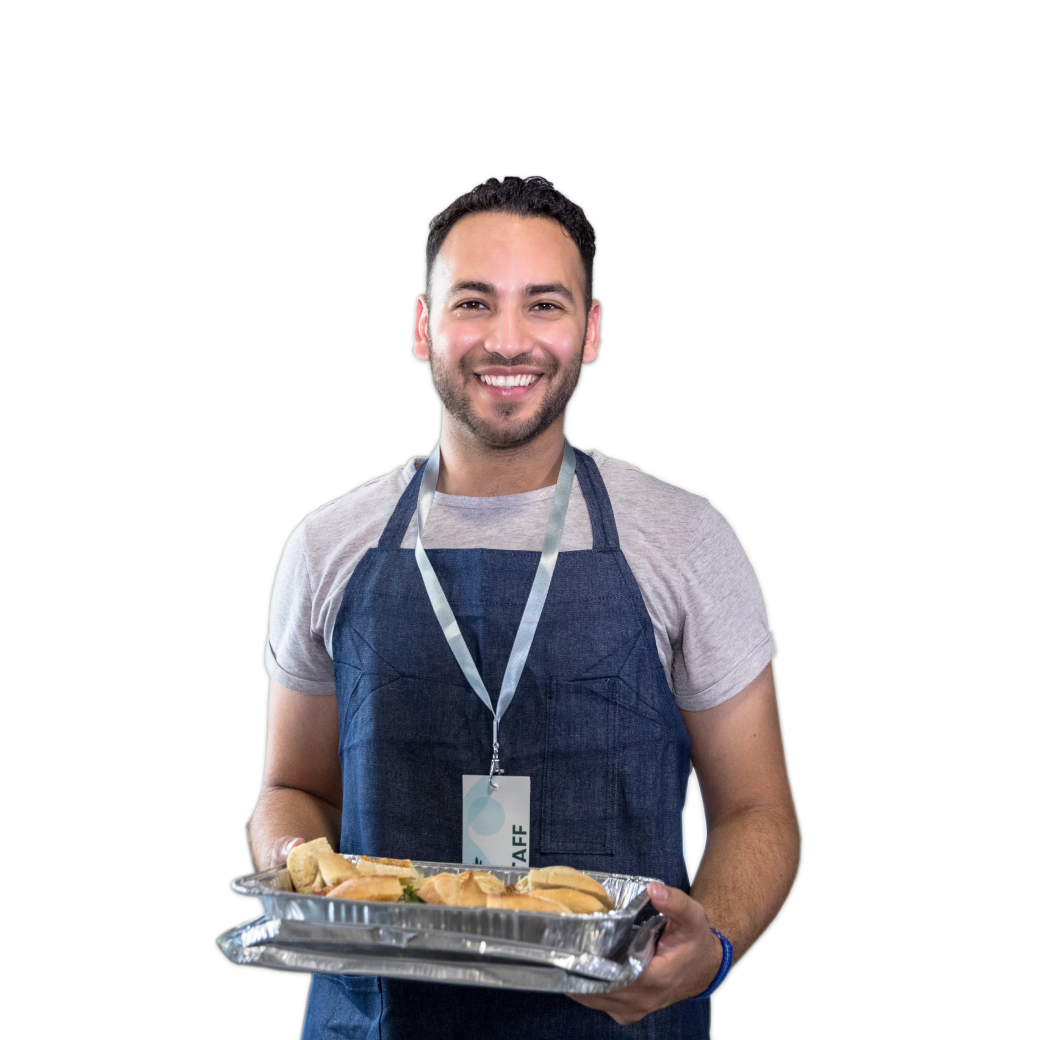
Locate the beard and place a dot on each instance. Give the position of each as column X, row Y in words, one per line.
column 506, row 430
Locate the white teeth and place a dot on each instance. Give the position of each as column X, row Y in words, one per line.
column 525, row 380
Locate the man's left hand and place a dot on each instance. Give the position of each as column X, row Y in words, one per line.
column 687, row 959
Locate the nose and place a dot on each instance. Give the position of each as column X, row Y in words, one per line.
column 508, row 338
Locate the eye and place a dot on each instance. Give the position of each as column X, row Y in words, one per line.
column 545, row 306
column 470, row 305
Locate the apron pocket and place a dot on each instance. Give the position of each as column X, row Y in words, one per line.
column 580, row 783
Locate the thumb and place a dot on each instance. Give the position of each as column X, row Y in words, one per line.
column 684, row 914
column 285, row 847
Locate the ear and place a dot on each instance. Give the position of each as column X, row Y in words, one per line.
column 591, row 334
column 421, row 345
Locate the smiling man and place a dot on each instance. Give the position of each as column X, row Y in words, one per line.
column 508, row 351
column 586, row 629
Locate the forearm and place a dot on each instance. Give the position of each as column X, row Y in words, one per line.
column 284, row 813
column 749, row 864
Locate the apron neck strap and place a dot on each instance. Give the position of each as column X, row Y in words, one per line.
column 397, row 526
column 593, row 490
column 597, row 501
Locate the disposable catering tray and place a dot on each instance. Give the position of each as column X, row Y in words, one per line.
column 298, row 946
column 584, row 953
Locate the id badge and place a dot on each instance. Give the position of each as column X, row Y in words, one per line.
column 496, row 824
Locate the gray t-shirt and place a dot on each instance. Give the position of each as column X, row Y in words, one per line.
column 697, row 584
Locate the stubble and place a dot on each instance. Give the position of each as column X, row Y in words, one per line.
column 504, row 431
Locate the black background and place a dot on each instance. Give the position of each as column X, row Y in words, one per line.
column 306, row 290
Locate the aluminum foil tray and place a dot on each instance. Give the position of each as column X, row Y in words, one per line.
column 524, row 935
column 432, row 957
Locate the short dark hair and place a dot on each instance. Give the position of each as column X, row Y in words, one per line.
column 526, row 197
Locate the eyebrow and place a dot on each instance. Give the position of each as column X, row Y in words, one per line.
column 481, row 287
column 550, row 289
column 537, row 289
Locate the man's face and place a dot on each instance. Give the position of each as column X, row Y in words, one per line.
column 505, row 324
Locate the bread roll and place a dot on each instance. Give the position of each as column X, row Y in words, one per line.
column 303, row 863
column 434, row 889
column 575, row 901
column 375, row 889
column 454, row 890
column 371, row 866
column 332, row 869
column 489, row 883
column 526, row 902
column 566, row 877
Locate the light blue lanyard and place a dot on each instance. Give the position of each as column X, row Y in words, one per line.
column 535, row 600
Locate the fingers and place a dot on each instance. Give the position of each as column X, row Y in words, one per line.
column 678, row 959
column 664, row 979
column 621, row 1011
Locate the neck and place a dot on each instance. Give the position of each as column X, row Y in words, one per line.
column 471, row 468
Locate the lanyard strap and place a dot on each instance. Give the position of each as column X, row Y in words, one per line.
column 535, row 600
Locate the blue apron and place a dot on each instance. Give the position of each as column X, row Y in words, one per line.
column 594, row 725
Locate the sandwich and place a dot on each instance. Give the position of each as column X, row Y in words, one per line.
column 369, row 887
column 373, row 866
column 542, row 878
column 575, row 901
column 521, row 901
column 316, row 869
column 332, row 869
column 470, row 888
column 303, row 863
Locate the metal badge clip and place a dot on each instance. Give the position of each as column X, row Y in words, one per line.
column 495, row 770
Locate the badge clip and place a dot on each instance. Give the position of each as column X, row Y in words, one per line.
column 495, row 769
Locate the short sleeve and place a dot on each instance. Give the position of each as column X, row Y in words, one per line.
column 725, row 641
column 296, row 654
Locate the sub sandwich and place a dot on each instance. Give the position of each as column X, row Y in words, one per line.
column 316, row 869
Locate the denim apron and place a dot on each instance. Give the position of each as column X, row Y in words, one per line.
column 593, row 724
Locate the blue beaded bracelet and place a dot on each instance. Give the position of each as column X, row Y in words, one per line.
column 727, row 962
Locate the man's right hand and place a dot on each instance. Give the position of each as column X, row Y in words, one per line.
column 302, row 791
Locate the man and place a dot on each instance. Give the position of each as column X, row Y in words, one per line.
column 651, row 649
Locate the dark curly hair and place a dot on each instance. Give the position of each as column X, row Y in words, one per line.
column 526, row 197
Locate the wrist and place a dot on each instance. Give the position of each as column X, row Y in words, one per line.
column 723, row 959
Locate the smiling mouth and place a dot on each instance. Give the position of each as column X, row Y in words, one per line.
column 508, row 381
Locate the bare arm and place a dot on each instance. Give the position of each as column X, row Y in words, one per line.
column 302, row 792
column 750, row 858
column 751, row 855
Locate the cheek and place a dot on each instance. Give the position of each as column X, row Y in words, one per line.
column 455, row 341
column 563, row 342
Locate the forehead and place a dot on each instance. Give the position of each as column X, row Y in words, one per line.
column 506, row 249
